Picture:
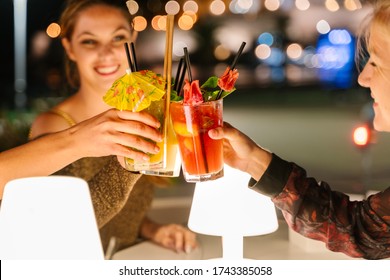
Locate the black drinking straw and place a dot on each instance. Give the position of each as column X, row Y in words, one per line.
column 135, row 66
column 180, row 76
column 131, row 66
column 187, row 62
column 233, row 65
column 238, row 54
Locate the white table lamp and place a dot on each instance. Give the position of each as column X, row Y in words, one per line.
column 48, row 218
column 227, row 207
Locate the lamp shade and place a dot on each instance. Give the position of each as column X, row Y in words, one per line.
column 48, row 218
column 227, row 207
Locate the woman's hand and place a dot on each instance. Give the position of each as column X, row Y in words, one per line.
column 121, row 133
column 171, row 236
column 242, row 152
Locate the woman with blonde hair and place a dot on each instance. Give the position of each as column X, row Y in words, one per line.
column 360, row 229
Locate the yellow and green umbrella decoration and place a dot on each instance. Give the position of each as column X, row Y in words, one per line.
column 134, row 91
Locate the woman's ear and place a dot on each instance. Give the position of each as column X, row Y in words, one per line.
column 68, row 48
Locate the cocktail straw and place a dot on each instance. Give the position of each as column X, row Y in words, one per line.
column 168, row 75
column 188, row 64
column 131, row 66
column 135, row 66
column 202, row 147
column 233, row 65
column 238, row 54
column 178, row 73
column 181, row 76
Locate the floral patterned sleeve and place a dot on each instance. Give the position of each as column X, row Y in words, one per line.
column 360, row 229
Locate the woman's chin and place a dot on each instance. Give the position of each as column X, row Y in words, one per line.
column 380, row 125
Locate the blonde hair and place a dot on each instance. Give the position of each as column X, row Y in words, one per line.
column 378, row 18
column 68, row 21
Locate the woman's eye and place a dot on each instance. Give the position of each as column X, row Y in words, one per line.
column 120, row 38
column 88, row 42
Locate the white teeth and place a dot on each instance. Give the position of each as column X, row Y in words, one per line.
column 107, row 70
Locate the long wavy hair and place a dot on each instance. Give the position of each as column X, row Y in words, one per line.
column 68, row 21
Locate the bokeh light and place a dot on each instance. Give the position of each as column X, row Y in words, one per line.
column 217, row 7
column 263, row 51
column 302, row 5
column 155, row 22
column 332, row 5
column 272, row 5
column 190, row 6
column 323, row 27
column 172, row 7
column 140, row 23
column 185, row 22
column 221, row 53
column 294, row 51
column 53, row 30
column 162, row 23
column 266, row 38
column 132, row 6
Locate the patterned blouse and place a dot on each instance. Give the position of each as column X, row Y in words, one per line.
column 359, row 229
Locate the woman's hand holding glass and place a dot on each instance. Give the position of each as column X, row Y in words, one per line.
column 241, row 152
column 121, row 133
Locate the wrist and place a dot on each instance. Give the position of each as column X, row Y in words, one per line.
column 148, row 229
column 259, row 162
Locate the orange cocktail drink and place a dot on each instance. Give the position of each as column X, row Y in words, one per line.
column 202, row 157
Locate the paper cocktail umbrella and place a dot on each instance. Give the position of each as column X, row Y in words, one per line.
column 134, row 91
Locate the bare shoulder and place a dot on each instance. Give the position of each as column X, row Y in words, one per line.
column 47, row 122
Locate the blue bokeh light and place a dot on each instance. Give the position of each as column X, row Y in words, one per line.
column 336, row 52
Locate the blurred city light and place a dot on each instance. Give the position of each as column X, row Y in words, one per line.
column 352, row 5
column 332, row 5
column 272, row 5
column 294, row 51
column 323, row 26
column 140, row 23
column 53, row 30
column 336, row 51
column 132, row 6
column 217, row 7
column 302, row 5
column 361, row 136
column 172, row 7
column 263, row 51
column 266, row 38
column 190, row 6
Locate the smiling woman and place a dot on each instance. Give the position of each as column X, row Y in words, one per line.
column 93, row 36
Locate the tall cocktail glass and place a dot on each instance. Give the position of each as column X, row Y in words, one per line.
column 172, row 156
column 202, row 157
column 157, row 109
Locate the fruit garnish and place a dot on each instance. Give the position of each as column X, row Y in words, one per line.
column 192, row 93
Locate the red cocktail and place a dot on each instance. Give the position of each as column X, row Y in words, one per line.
column 202, row 157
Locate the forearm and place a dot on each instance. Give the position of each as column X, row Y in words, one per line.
column 40, row 157
column 358, row 229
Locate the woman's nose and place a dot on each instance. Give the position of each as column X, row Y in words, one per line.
column 365, row 76
column 106, row 50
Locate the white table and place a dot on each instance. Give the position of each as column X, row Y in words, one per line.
column 274, row 246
